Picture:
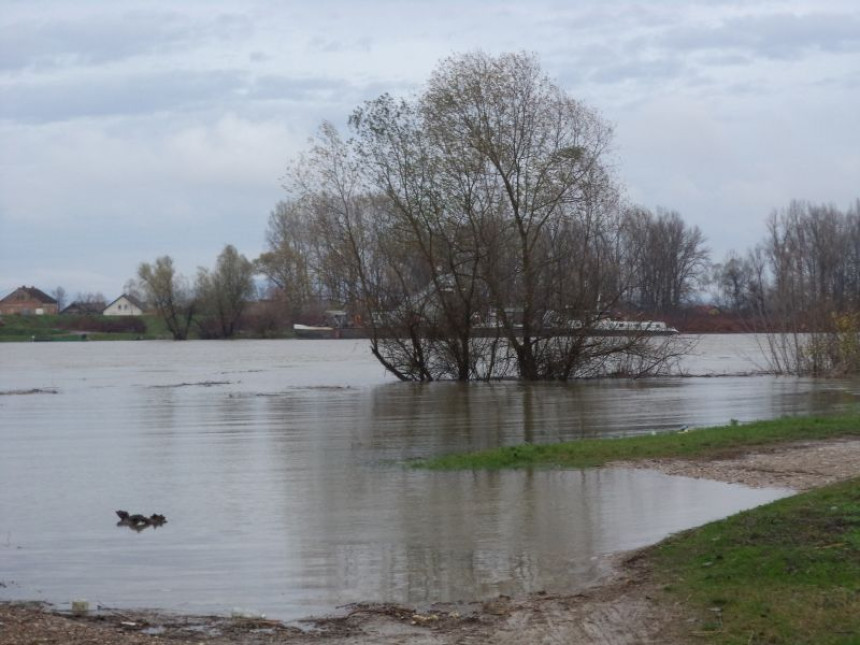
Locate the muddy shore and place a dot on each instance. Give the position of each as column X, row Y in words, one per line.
column 622, row 609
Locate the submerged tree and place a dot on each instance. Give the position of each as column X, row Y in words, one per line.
column 170, row 294
column 476, row 226
column 513, row 181
column 286, row 263
column 224, row 293
column 812, row 301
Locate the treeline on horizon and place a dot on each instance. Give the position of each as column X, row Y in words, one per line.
column 487, row 202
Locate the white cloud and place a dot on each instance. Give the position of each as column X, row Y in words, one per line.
column 779, row 35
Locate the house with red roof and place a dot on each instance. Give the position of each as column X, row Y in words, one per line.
column 28, row 301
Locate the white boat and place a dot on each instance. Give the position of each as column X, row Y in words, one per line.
column 633, row 327
column 311, row 331
column 600, row 328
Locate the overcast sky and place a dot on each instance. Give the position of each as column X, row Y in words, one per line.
column 130, row 130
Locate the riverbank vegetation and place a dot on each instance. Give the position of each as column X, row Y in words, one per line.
column 71, row 328
column 711, row 443
column 783, row 573
column 801, row 284
column 77, row 328
column 212, row 306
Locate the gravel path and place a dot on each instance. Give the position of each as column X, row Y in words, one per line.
column 801, row 466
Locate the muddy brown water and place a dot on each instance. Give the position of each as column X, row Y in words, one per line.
column 279, row 466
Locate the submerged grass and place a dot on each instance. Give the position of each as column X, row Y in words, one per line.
column 720, row 441
column 788, row 572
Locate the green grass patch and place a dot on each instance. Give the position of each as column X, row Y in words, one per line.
column 25, row 328
column 721, row 441
column 788, row 572
column 73, row 328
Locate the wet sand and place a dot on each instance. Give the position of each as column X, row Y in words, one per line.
column 621, row 609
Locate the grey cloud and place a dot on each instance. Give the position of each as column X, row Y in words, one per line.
column 173, row 91
column 227, row 26
column 330, row 45
column 126, row 95
column 273, row 87
column 607, row 18
column 721, row 59
column 48, row 44
column 846, row 82
column 640, row 70
column 778, row 36
column 346, row 94
column 110, row 38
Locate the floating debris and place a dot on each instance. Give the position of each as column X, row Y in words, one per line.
column 139, row 522
column 198, row 384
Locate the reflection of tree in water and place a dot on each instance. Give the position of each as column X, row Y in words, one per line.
column 424, row 537
column 421, row 420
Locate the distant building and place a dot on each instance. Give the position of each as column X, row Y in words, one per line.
column 125, row 305
column 28, row 301
column 81, row 308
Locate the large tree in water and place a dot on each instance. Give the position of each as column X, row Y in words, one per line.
column 488, row 223
column 170, row 294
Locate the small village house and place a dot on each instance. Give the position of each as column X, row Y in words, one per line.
column 125, row 305
column 82, row 308
column 28, row 301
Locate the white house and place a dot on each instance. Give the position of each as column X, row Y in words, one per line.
column 125, row 305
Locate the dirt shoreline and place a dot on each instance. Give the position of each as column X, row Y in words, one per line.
column 621, row 610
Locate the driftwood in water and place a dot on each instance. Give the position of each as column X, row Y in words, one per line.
column 139, row 522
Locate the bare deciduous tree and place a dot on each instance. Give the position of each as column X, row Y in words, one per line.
column 499, row 180
column 222, row 294
column 813, row 298
column 170, row 294
column 285, row 263
column 741, row 282
column 133, row 288
column 475, row 227
column 668, row 256
column 59, row 294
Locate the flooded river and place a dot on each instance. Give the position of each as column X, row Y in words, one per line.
column 279, row 465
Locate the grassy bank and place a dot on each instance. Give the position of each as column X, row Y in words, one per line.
column 78, row 328
column 788, row 572
column 704, row 442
